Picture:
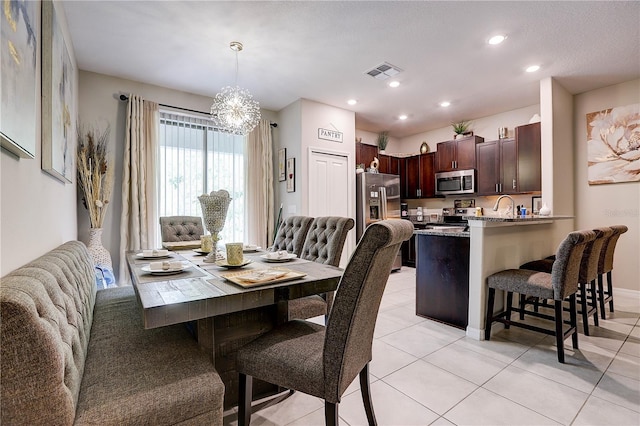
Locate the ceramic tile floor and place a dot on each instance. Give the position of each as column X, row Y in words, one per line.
column 426, row 373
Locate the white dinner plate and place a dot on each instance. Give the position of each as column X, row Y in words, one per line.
column 287, row 258
column 251, row 249
column 148, row 270
column 224, row 264
column 159, row 256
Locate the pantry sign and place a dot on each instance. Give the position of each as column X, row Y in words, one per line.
column 330, row 135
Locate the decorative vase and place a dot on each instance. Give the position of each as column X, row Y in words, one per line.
column 544, row 210
column 99, row 254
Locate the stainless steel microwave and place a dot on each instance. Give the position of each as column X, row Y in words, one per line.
column 458, row 182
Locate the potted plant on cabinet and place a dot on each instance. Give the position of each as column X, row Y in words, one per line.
column 461, row 128
column 383, row 140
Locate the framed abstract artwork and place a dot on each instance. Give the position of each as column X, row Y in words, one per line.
column 613, row 145
column 282, row 155
column 20, row 35
column 58, row 99
column 291, row 175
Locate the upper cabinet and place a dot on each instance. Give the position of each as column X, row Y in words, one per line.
column 389, row 164
column 497, row 167
column 365, row 153
column 418, row 174
column 459, row 154
column 510, row 166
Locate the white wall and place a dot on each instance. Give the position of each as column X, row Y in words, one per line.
column 609, row 204
column 37, row 211
column 99, row 104
column 290, row 124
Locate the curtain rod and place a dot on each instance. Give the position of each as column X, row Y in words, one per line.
column 125, row 98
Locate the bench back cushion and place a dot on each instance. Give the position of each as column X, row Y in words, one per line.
column 47, row 311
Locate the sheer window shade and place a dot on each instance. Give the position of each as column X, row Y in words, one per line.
column 195, row 158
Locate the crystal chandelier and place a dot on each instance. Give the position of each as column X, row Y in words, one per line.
column 234, row 110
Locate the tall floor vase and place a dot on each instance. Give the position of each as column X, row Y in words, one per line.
column 101, row 258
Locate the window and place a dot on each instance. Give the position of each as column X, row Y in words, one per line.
column 195, row 158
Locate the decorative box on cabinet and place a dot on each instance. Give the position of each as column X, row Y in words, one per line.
column 459, row 154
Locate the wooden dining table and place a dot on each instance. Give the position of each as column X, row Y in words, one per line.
column 224, row 315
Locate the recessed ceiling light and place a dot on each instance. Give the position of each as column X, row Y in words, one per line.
column 402, row 117
column 352, row 102
column 394, row 83
column 497, row 39
column 533, row 68
column 445, row 104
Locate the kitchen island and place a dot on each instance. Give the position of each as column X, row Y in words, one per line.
column 498, row 243
column 442, row 275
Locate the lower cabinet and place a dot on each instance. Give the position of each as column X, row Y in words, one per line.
column 442, row 279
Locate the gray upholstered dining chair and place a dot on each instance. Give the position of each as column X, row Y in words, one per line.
column 323, row 361
column 559, row 285
column 181, row 228
column 324, row 244
column 291, row 234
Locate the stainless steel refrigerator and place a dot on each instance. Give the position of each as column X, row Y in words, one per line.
column 377, row 198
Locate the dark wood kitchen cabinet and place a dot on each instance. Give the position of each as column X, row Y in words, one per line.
column 510, row 166
column 529, row 157
column 497, row 167
column 418, row 173
column 389, row 164
column 459, row 154
column 365, row 154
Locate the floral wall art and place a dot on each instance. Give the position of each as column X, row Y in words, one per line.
column 613, row 145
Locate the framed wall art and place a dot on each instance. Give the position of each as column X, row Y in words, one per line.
column 58, row 99
column 291, row 175
column 613, row 145
column 282, row 173
column 20, row 35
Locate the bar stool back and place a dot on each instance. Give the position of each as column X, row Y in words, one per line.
column 605, row 266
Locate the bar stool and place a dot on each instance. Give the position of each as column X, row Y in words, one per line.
column 559, row 285
column 605, row 265
column 587, row 276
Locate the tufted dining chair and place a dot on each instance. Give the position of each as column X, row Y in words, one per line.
column 291, row 234
column 181, row 228
column 324, row 244
column 559, row 285
column 323, row 361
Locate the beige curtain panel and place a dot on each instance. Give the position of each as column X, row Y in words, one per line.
column 138, row 218
column 259, row 182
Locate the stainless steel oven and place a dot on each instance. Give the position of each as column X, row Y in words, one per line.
column 458, row 182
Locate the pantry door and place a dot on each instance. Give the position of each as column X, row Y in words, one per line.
column 331, row 190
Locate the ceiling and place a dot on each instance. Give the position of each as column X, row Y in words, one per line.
column 321, row 51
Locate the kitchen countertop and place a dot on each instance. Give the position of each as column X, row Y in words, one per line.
column 440, row 231
column 534, row 218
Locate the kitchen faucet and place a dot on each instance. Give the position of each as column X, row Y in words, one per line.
column 495, row 207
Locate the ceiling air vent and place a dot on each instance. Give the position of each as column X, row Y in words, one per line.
column 384, row 71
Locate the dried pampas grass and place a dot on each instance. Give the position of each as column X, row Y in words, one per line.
column 95, row 174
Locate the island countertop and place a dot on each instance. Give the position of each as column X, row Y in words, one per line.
column 443, row 232
column 516, row 219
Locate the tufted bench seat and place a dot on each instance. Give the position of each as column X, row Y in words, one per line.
column 71, row 355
